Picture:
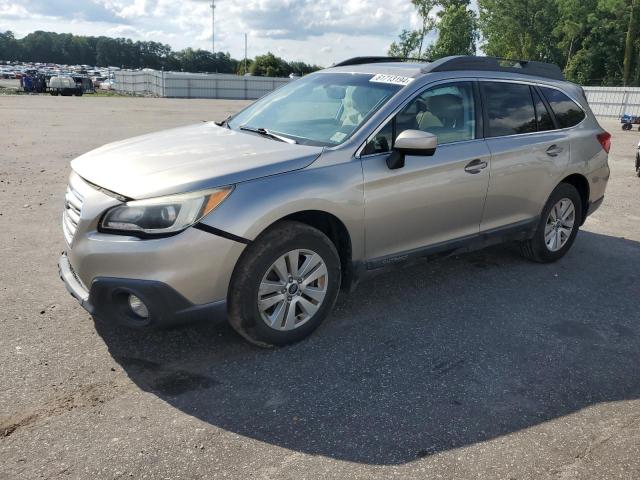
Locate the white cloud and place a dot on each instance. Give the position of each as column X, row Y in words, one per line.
column 12, row 10
column 316, row 31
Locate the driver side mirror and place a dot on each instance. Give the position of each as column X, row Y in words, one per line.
column 412, row 142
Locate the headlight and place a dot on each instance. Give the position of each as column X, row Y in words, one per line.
column 163, row 215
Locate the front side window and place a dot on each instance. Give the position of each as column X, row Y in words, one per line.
column 447, row 111
column 567, row 113
column 509, row 108
column 320, row 109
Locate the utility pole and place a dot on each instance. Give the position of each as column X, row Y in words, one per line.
column 245, row 54
column 213, row 26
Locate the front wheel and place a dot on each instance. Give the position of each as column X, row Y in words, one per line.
column 638, row 164
column 285, row 285
column 558, row 226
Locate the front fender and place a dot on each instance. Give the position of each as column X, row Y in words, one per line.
column 257, row 204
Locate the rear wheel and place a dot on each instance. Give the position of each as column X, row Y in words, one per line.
column 558, row 226
column 638, row 164
column 285, row 285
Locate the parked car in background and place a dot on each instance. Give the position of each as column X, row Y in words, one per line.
column 97, row 81
column 264, row 217
column 628, row 121
column 107, row 85
column 85, row 83
column 65, row 86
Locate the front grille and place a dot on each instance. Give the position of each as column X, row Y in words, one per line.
column 71, row 216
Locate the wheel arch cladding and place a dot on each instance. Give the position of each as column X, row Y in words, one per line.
column 335, row 230
column 581, row 184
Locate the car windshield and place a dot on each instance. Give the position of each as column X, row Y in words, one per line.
column 320, row 109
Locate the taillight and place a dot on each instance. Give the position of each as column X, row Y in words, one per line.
column 605, row 141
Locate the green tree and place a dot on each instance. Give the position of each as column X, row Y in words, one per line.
column 424, row 8
column 9, row 46
column 70, row 49
column 269, row 66
column 407, row 44
column 520, row 29
column 456, row 24
column 630, row 43
column 241, row 70
column 597, row 44
column 457, row 30
column 301, row 68
column 410, row 43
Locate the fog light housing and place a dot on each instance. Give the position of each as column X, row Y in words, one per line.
column 138, row 307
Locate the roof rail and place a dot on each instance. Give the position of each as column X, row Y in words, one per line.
column 363, row 60
column 496, row 64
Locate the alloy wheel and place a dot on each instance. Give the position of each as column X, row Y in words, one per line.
column 559, row 225
column 293, row 289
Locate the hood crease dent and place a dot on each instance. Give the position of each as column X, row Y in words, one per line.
column 187, row 159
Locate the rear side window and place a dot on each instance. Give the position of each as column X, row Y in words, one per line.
column 509, row 108
column 568, row 113
column 545, row 122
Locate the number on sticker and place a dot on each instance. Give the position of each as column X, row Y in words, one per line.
column 393, row 79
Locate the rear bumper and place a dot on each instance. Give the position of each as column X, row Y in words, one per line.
column 107, row 298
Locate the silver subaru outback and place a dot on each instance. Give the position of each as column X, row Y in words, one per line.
column 264, row 217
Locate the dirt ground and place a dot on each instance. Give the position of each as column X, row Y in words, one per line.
column 477, row 366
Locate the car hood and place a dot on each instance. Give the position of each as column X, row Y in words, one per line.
column 188, row 159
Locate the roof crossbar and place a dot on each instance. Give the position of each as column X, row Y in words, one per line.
column 364, row 60
column 496, row 64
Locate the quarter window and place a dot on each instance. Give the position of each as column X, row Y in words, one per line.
column 545, row 122
column 382, row 142
column 509, row 108
column 568, row 114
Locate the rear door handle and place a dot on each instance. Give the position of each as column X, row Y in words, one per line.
column 554, row 150
column 476, row 166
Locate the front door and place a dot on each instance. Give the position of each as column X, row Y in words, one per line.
column 431, row 200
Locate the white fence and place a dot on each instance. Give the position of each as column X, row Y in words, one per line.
column 196, row 85
column 613, row 101
column 604, row 101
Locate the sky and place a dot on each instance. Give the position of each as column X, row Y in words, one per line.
column 314, row 31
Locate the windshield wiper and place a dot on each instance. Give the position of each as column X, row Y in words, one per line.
column 268, row 133
column 224, row 123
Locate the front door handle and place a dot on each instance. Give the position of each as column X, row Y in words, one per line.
column 476, row 166
column 554, row 150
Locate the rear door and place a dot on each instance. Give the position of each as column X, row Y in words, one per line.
column 528, row 153
column 431, row 200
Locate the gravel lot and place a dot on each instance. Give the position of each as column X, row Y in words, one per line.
column 476, row 366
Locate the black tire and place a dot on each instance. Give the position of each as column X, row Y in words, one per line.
column 638, row 164
column 535, row 249
column 242, row 302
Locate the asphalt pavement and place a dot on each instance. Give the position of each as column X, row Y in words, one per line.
column 481, row 365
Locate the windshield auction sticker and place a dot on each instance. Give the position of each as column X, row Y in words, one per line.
column 393, row 79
